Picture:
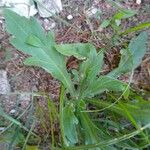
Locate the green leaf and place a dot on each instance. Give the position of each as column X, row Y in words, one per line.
column 91, row 67
column 89, row 70
column 89, row 130
column 123, row 14
column 136, row 28
column 105, row 23
column 104, row 83
column 78, row 50
column 69, row 123
column 138, row 48
column 22, row 27
column 131, row 57
column 28, row 147
column 30, row 38
column 139, row 109
column 112, row 141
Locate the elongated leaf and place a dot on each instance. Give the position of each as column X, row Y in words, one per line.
column 69, row 122
column 136, row 28
column 138, row 48
column 79, row 50
column 131, row 57
column 89, row 70
column 115, row 21
column 89, row 130
column 94, row 68
column 29, row 37
column 91, row 133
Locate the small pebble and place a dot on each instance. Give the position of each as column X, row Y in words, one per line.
column 49, row 24
column 69, row 17
column 91, row 11
column 2, row 128
column 53, row 25
column 1, row 21
column 46, row 21
column 138, row 2
column 12, row 111
column 94, row 10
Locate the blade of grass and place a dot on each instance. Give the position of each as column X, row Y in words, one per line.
column 62, row 92
column 51, row 110
column 29, row 133
column 17, row 119
column 3, row 114
column 40, row 115
column 14, row 138
column 14, row 121
column 134, row 122
column 136, row 28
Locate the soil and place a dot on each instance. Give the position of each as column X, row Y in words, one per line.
column 25, row 80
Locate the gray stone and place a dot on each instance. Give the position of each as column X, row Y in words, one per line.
column 91, row 11
column 4, row 84
column 47, row 8
column 22, row 7
column 49, row 24
column 69, row 17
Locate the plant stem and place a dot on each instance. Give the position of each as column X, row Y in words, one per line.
column 62, row 92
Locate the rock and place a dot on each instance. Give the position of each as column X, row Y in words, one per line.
column 69, row 17
column 1, row 3
column 2, row 128
column 91, row 11
column 47, row 8
column 49, row 24
column 13, row 111
column 138, row 2
column 22, row 7
column 4, row 84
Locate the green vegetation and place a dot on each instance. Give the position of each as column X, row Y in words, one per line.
column 96, row 112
